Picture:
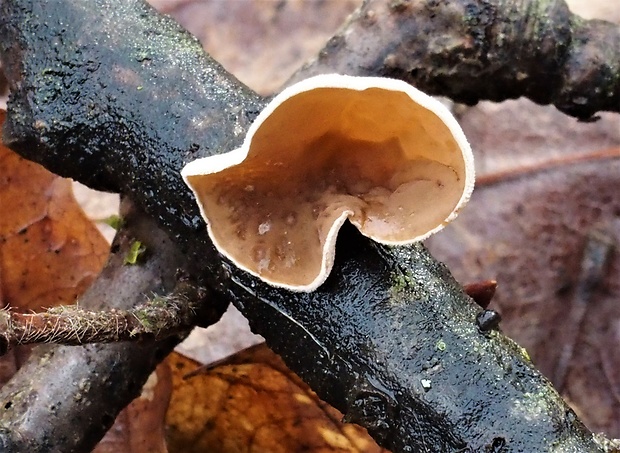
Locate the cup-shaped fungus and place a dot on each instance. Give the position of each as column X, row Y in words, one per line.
column 377, row 151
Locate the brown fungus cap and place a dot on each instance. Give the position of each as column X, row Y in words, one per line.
column 377, row 151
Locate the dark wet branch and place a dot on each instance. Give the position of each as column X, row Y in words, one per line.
column 483, row 50
column 65, row 398
column 116, row 96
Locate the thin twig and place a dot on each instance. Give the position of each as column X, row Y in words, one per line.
column 156, row 319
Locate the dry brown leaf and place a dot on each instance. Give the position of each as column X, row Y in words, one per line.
column 547, row 233
column 520, row 133
column 49, row 251
column 252, row 402
column 139, row 428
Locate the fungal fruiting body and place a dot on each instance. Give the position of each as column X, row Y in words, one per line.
column 376, row 151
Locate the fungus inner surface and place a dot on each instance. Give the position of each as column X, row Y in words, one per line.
column 375, row 156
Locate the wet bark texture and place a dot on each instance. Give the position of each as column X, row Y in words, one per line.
column 483, row 49
column 118, row 97
column 66, row 397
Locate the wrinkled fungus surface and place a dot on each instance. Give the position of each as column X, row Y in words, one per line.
column 376, row 151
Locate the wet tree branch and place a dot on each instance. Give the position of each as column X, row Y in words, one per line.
column 66, row 398
column 484, row 49
column 118, row 97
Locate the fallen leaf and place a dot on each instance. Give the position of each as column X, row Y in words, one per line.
column 252, row 402
column 139, row 428
column 518, row 133
column 50, row 252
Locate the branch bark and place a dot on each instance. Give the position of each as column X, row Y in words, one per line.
column 485, row 49
column 65, row 398
column 118, row 97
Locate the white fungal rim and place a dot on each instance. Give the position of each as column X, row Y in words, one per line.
column 219, row 162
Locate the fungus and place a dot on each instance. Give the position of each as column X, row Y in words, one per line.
column 376, row 151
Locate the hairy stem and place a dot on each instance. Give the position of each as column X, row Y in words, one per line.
column 159, row 318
